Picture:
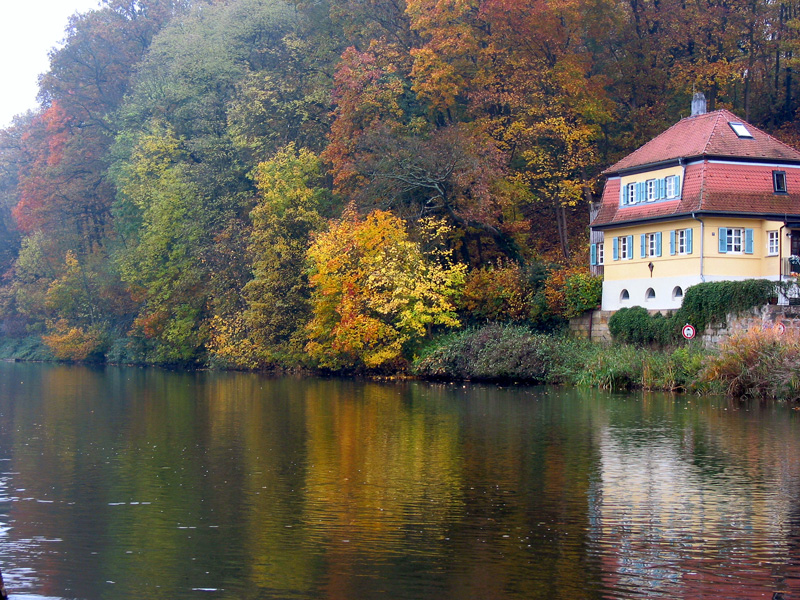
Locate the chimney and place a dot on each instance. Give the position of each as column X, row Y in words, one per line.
column 698, row 104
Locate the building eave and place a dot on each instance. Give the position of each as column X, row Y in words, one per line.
column 783, row 217
column 687, row 160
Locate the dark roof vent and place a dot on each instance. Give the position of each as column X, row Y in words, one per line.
column 698, row 104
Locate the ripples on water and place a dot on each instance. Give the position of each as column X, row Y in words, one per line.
column 132, row 483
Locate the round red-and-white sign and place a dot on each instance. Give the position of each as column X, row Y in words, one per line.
column 688, row 331
column 780, row 328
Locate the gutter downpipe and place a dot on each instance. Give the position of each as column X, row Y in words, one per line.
column 702, row 242
column 702, row 224
column 780, row 247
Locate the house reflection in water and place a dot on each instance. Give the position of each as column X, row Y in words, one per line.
column 669, row 518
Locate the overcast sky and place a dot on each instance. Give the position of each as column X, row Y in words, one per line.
column 28, row 30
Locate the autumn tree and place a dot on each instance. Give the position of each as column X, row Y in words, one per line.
column 375, row 293
column 289, row 210
column 165, row 218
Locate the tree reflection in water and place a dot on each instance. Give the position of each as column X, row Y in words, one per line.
column 119, row 483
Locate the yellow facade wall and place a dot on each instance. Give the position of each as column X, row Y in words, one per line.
column 714, row 263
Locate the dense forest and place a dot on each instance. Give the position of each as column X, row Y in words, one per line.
column 278, row 183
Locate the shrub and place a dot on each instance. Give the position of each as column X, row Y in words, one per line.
column 635, row 325
column 572, row 291
column 582, row 291
column 616, row 367
column 74, row 343
column 491, row 353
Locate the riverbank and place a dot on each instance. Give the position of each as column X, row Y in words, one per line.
column 756, row 364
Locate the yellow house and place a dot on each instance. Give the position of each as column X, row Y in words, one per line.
column 712, row 198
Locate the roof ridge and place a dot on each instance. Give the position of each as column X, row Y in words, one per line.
column 715, row 123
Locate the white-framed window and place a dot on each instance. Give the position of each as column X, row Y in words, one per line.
column 680, row 241
column 735, row 240
column 650, row 244
column 677, row 292
column 650, row 294
column 625, row 248
column 672, row 186
column 601, row 254
column 651, row 190
column 773, row 243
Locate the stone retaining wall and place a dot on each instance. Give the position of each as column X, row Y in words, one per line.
column 592, row 325
column 766, row 317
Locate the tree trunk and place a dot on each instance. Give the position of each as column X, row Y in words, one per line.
column 563, row 235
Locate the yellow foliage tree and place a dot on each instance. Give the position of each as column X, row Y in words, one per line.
column 375, row 292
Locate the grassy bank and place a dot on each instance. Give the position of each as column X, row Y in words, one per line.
column 514, row 353
column 758, row 364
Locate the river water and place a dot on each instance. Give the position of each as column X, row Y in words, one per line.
column 120, row 483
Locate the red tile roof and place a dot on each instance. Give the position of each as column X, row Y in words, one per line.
column 709, row 186
column 706, row 135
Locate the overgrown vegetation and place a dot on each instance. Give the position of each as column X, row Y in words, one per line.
column 704, row 304
column 517, row 353
column 760, row 364
column 711, row 302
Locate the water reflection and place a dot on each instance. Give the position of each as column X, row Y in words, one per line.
column 120, row 483
column 698, row 501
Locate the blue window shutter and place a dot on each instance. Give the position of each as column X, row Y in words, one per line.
column 723, row 240
column 662, row 185
column 641, row 245
column 615, row 248
column 658, row 243
column 689, row 241
column 748, row 241
column 640, row 192
column 677, row 186
column 672, row 242
column 593, row 254
column 630, row 246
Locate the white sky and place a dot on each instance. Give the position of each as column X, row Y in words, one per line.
column 28, row 30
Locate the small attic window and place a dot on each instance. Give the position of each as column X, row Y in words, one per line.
column 779, row 181
column 740, row 130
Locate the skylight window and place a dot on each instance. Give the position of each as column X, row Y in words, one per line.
column 740, row 130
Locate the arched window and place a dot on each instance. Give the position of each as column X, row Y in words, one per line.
column 650, row 294
column 677, row 292
column 624, row 295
